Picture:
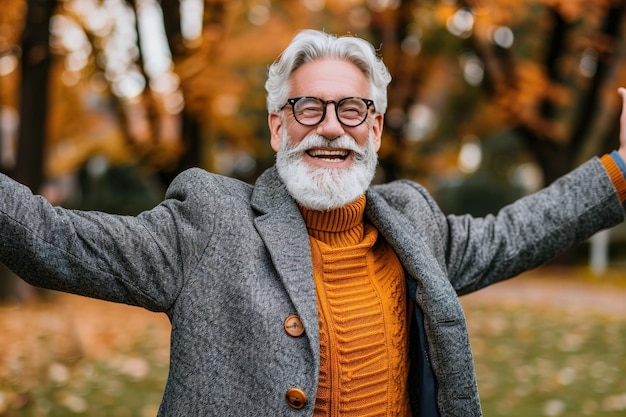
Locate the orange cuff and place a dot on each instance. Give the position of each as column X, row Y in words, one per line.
column 616, row 175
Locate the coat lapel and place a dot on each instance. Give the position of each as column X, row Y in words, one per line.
column 409, row 247
column 443, row 344
column 282, row 228
column 414, row 252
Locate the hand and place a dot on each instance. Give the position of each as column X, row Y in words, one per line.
column 622, row 130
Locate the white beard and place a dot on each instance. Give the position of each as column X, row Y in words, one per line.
column 323, row 188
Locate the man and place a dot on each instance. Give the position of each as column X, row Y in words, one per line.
column 310, row 293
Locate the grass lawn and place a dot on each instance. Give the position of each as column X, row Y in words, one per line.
column 545, row 362
column 542, row 348
column 552, row 343
column 72, row 356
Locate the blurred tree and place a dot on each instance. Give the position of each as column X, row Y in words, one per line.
column 545, row 70
column 35, row 69
column 560, row 94
column 160, row 85
column 11, row 26
column 191, row 132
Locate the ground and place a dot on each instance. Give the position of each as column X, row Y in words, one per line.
column 572, row 290
column 549, row 343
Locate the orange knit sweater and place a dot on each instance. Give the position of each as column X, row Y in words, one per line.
column 362, row 308
column 363, row 313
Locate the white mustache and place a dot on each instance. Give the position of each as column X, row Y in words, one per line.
column 316, row 141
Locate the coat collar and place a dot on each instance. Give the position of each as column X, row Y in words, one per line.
column 404, row 236
column 281, row 226
column 404, row 231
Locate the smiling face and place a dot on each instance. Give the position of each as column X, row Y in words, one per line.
column 327, row 165
column 328, row 79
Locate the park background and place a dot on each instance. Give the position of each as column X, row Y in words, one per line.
column 103, row 102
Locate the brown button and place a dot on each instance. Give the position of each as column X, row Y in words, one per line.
column 296, row 398
column 293, row 326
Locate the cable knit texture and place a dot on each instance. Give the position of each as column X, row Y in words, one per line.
column 617, row 177
column 228, row 262
column 362, row 316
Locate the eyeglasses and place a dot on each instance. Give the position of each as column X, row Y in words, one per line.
column 310, row 111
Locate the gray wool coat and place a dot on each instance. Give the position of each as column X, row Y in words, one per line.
column 228, row 262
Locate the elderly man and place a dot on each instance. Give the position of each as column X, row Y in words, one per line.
column 310, row 293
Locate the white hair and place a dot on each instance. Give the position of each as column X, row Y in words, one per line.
column 312, row 45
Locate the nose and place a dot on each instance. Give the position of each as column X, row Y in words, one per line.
column 330, row 128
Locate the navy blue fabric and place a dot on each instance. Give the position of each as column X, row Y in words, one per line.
column 426, row 377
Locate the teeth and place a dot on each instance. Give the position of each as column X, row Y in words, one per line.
column 321, row 153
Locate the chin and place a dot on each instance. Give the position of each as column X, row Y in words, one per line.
column 317, row 184
column 322, row 188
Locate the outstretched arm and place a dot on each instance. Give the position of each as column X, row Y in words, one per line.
column 537, row 227
column 134, row 260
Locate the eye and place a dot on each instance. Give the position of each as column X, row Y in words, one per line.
column 309, row 107
column 352, row 108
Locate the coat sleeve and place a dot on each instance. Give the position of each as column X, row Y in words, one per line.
column 132, row 260
column 527, row 233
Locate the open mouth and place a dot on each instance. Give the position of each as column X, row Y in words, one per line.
column 330, row 154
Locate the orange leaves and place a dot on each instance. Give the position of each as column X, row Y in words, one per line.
column 73, row 355
column 11, row 22
column 520, row 101
column 573, row 10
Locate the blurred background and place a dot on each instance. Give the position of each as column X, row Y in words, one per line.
column 103, row 102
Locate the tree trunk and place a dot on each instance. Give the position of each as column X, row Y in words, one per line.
column 29, row 168
column 190, row 127
column 34, row 93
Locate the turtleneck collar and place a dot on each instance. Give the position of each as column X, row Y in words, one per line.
column 338, row 227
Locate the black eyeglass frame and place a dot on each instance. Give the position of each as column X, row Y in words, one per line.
column 293, row 100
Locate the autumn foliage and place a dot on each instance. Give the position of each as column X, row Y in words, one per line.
column 542, row 71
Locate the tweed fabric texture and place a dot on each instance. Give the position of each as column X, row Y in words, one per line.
column 228, row 262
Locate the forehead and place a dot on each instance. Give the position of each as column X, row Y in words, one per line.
column 329, row 79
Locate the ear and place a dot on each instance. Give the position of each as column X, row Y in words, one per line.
column 377, row 130
column 275, row 123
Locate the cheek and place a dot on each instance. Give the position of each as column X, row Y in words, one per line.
column 296, row 133
column 361, row 137
column 286, row 131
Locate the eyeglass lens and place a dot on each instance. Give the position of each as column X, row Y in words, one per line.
column 351, row 111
